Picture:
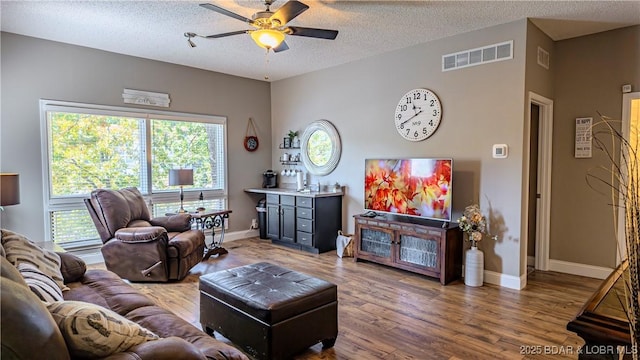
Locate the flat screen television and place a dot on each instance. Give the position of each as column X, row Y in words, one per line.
column 419, row 187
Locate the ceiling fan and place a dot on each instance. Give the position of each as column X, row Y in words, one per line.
column 270, row 27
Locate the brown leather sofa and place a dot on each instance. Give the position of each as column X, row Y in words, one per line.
column 137, row 247
column 28, row 331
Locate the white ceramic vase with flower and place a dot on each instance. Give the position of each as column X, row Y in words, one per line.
column 474, row 225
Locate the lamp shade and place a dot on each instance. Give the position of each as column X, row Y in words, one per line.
column 9, row 189
column 180, row 177
column 267, row 38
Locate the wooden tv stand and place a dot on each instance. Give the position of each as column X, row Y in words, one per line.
column 415, row 245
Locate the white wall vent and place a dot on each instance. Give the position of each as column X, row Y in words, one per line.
column 482, row 55
column 543, row 58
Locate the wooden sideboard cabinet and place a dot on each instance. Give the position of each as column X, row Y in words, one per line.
column 416, row 245
column 281, row 217
column 305, row 222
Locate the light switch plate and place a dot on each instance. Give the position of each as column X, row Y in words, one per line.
column 500, row 151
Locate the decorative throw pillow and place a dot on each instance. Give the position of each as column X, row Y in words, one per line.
column 8, row 271
column 40, row 283
column 19, row 249
column 92, row 331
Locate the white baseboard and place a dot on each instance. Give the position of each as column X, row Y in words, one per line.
column 519, row 283
column 504, row 280
column 566, row 267
column 237, row 235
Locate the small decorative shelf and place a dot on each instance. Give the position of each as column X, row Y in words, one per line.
column 289, row 148
column 289, row 162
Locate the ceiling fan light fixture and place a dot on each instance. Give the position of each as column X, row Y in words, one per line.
column 267, row 38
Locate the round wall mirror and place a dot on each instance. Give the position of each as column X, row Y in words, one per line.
column 320, row 147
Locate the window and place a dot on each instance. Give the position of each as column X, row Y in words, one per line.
column 90, row 146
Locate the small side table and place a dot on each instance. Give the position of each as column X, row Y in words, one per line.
column 210, row 220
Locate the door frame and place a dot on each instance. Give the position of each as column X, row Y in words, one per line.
column 626, row 131
column 545, row 147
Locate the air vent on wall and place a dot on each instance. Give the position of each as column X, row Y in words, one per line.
column 482, row 55
column 543, row 58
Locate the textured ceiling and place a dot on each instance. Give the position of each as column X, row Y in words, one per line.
column 154, row 29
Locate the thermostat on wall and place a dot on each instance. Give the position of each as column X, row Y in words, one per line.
column 499, row 151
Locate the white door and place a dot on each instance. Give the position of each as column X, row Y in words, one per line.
column 542, row 182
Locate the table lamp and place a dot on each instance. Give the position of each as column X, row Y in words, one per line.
column 181, row 177
column 9, row 189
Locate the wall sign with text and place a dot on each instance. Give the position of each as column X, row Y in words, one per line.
column 583, row 138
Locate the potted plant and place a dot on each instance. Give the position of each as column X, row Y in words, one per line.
column 474, row 225
column 293, row 139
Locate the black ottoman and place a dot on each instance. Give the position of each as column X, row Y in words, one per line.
column 269, row 311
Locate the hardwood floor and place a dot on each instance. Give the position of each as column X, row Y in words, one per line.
column 386, row 313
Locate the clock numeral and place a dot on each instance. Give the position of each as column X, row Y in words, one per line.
column 403, row 108
column 424, row 131
column 430, row 122
column 399, row 116
column 435, row 112
column 401, row 126
column 408, row 131
column 415, row 134
column 432, row 102
column 416, row 96
column 408, row 100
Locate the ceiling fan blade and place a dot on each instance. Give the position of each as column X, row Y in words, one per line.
column 311, row 32
column 282, row 47
column 226, row 12
column 227, row 34
column 289, row 11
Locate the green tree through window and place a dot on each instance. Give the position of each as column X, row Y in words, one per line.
column 92, row 151
column 179, row 144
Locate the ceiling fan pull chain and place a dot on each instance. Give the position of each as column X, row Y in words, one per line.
column 266, row 65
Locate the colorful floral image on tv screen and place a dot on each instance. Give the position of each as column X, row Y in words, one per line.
column 415, row 187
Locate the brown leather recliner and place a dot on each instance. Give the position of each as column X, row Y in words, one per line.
column 137, row 247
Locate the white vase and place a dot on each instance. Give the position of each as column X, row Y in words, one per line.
column 474, row 267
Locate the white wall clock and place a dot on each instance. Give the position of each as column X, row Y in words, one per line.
column 418, row 114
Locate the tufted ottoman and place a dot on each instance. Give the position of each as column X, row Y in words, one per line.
column 270, row 311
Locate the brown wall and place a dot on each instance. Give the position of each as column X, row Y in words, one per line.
column 590, row 72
